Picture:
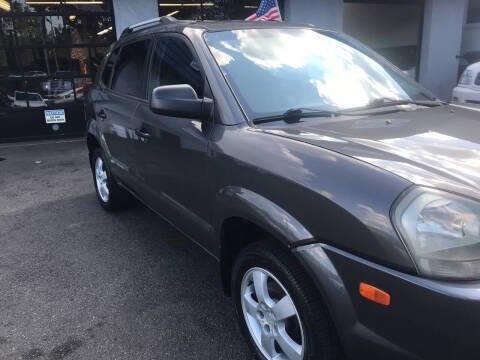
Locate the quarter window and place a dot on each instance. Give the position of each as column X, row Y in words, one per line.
column 173, row 64
column 129, row 73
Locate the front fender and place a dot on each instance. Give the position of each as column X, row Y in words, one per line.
column 234, row 201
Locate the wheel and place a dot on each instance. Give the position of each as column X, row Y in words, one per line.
column 110, row 195
column 279, row 311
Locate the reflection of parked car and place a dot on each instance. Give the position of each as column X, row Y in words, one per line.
column 35, row 74
column 28, row 74
column 66, row 96
column 34, row 99
column 468, row 89
column 56, row 85
column 62, row 97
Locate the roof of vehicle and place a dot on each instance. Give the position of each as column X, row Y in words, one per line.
column 169, row 24
column 474, row 67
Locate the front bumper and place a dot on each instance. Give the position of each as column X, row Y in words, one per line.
column 427, row 319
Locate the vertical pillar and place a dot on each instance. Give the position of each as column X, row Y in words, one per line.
column 441, row 44
column 128, row 12
column 327, row 14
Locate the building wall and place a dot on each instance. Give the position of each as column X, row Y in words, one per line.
column 471, row 35
column 394, row 24
column 128, row 12
column 471, row 38
column 392, row 29
column 441, row 45
column 327, row 14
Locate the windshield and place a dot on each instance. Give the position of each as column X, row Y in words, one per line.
column 274, row 70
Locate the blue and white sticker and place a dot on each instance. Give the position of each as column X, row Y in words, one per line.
column 55, row 116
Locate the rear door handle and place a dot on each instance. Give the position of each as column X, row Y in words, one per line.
column 102, row 114
column 142, row 134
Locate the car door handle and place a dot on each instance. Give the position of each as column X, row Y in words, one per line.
column 143, row 134
column 102, row 114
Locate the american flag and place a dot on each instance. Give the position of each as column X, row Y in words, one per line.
column 267, row 11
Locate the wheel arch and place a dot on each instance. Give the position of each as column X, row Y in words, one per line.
column 243, row 217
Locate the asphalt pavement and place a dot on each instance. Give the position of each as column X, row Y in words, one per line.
column 79, row 283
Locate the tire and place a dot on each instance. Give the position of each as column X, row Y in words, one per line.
column 116, row 198
column 310, row 327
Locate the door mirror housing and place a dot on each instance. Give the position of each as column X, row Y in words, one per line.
column 180, row 101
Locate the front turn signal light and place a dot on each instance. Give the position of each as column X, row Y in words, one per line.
column 375, row 294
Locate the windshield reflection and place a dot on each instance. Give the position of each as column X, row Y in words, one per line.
column 273, row 70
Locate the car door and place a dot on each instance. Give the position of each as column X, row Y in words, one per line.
column 175, row 166
column 115, row 111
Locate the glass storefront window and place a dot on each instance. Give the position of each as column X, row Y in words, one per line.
column 80, row 61
column 239, row 10
column 29, row 30
column 7, row 34
column 50, row 50
column 182, row 10
column 81, row 87
column 55, row 30
column 3, row 64
column 90, row 29
column 10, row 88
column 209, row 9
column 32, row 61
column 35, row 6
column 22, row 6
column 94, row 6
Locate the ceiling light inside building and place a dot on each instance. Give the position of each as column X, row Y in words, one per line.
column 105, row 31
column 4, row 5
column 186, row 5
column 173, row 13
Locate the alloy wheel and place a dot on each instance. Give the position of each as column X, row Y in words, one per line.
column 101, row 179
column 271, row 316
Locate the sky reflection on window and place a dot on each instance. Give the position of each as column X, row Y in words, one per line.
column 273, row 70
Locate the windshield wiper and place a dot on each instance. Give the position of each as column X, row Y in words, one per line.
column 294, row 115
column 386, row 102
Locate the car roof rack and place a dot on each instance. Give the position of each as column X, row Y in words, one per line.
column 148, row 23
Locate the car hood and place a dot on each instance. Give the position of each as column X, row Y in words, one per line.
column 437, row 147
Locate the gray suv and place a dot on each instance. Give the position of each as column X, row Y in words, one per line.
column 340, row 198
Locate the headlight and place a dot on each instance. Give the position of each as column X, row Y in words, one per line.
column 442, row 233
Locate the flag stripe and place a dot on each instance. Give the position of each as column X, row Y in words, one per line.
column 267, row 11
column 271, row 15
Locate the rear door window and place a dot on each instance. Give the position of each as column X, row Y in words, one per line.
column 173, row 63
column 129, row 74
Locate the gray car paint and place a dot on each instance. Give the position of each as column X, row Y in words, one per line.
column 330, row 183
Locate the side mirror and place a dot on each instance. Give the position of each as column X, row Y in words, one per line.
column 180, row 101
